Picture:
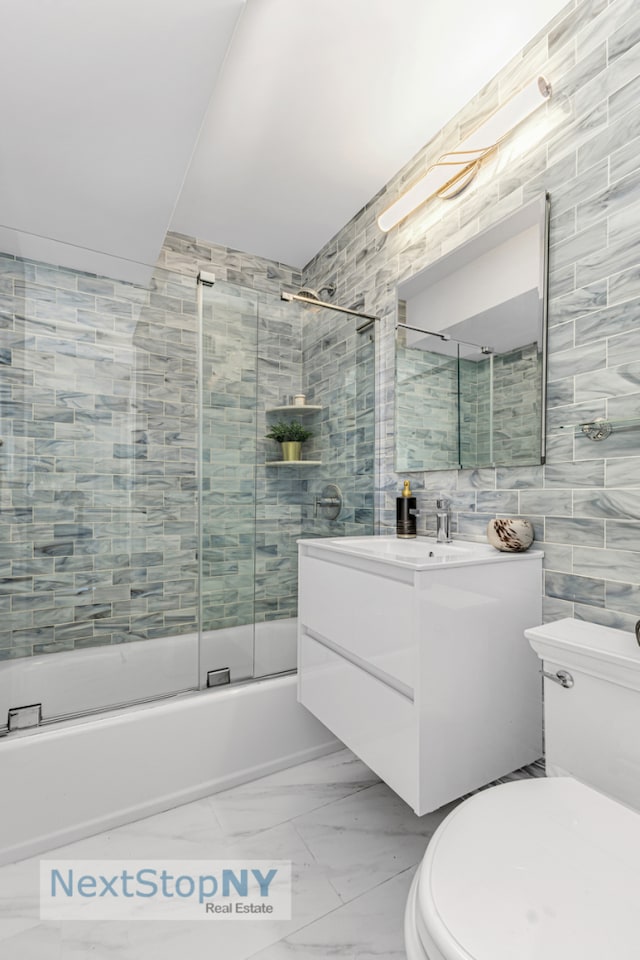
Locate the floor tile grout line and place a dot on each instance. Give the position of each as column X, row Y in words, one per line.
column 323, row 916
column 320, row 806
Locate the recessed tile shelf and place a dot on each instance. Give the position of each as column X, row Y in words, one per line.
column 293, row 463
column 296, row 408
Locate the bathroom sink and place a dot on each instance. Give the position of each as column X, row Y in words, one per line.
column 419, row 554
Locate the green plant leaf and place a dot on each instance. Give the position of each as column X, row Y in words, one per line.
column 287, row 431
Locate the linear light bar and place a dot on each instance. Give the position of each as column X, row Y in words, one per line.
column 453, row 171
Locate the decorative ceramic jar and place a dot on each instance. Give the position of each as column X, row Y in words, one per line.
column 510, row 534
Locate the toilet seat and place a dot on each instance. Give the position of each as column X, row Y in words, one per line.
column 531, row 869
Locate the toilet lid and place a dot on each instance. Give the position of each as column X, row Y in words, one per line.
column 540, row 869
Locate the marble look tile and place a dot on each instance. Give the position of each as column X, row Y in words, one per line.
column 608, row 201
column 568, row 363
column 370, row 927
column 313, row 897
column 622, row 535
column 575, row 531
column 621, row 252
column 556, row 556
column 624, row 284
column 188, row 831
column 561, row 336
column 501, row 502
column 608, row 618
column 613, row 382
column 481, row 479
column 571, row 475
column 616, row 504
column 622, row 473
column 10, row 928
column 575, row 19
column 555, row 609
column 586, row 590
column 545, row 502
column 603, row 22
column 20, row 893
column 624, row 345
column 620, row 71
column 625, row 407
column 610, row 322
column 385, row 836
column 183, row 832
column 581, row 245
column 621, row 131
column 289, row 793
column 41, row 941
column 559, row 448
column 627, row 158
column 623, row 597
column 518, row 478
column 618, row 564
column 592, row 181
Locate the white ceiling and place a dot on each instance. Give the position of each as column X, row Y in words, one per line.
column 263, row 125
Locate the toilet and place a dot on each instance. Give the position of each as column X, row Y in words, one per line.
column 548, row 868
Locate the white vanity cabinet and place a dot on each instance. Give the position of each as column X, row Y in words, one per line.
column 419, row 663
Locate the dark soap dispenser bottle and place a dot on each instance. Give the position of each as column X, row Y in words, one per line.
column 406, row 513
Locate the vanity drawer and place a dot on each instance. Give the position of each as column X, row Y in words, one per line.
column 367, row 615
column 375, row 721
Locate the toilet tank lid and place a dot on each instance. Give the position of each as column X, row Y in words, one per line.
column 590, row 648
column 534, row 869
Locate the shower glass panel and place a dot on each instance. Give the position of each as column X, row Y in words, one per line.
column 229, row 338
column 97, row 489
column 259, row 352
column 148, row 527
column 338, row 361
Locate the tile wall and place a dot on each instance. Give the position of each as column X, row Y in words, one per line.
column 97, row 468
column 583, row 147
column 99, row 465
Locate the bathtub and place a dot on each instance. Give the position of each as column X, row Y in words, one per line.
column 76, row 777
column 98, row 678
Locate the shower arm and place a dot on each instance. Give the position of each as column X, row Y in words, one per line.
column 285, row 295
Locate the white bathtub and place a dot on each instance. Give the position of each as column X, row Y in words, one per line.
column 74, row 778
column 98, row 678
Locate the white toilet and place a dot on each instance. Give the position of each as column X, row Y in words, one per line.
column 548, row 868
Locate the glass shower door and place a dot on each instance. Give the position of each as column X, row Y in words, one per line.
column 228, row 377
column 98, row 513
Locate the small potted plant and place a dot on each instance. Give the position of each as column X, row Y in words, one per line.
column 291, row 435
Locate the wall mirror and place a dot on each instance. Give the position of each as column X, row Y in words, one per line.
column 471, row 343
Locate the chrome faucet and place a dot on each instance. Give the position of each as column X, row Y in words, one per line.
column 443, row 520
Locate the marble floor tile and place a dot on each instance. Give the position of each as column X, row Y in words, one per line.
column 367, row 928
column 11, row 928
column 188, row 831
column 290, row 793
column 42, row 942
column 348, row 836
column 312, row 897
column 366, row 839
column 19, row 892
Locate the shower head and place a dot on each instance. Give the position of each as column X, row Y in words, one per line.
column 310, row 294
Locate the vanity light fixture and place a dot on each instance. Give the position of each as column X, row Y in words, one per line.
column 453, row 171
